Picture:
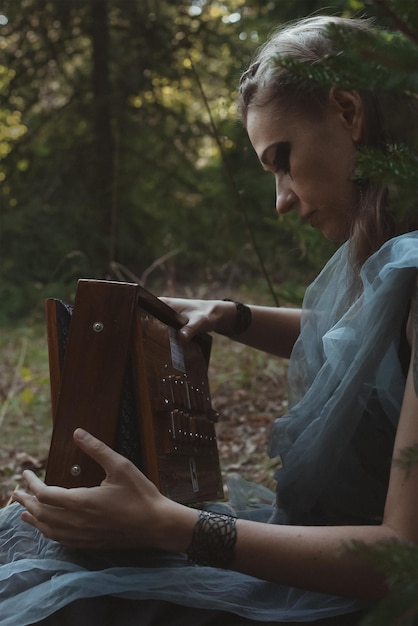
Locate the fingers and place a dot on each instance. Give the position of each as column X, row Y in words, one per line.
column 112, row 462
column 198, row 323
column 88, row 517
column 33, row 482
column 204, row 316
column 107, row 458
column 177, row 304
column 69, row 498
column 196, row 312
column 67, row 524
column 37, row 489
column 41, row 505
column 22, row 497
column 39, row 493
column 184, row 308
column 187, row 332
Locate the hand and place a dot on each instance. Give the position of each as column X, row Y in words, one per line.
column 125, row 511
column 204, row 316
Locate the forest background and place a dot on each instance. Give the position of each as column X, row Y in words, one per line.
column 110, row 159
column 122, row 157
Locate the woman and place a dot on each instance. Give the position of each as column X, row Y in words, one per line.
column 353, row 387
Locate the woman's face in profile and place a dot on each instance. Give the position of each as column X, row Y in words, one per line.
column 312, row 160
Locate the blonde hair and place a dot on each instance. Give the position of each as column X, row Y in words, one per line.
column 266, row 80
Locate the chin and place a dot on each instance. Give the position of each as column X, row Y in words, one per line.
column 335, row 234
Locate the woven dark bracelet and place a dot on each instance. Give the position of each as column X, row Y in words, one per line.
column 243, row 318
column 213, row 540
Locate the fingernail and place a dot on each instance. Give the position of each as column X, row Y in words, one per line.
column 80, row 434
column 17, row 494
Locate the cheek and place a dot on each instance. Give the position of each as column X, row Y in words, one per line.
column 330, row 155
column 334, row 172
column 323, row 170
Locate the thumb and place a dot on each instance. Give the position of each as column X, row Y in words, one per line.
column 193, row 327
column 187, row 332
column 96, row 449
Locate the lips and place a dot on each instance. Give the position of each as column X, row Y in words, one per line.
column 311, row 218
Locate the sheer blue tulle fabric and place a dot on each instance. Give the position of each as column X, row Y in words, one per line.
column 38, row 577
column 349, row 366
column 345, row 365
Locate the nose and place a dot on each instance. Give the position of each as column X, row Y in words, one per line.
column 285, row 197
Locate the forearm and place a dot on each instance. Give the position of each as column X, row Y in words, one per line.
column 273, row 329
column 316, row 558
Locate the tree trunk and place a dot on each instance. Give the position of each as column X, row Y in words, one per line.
column 104, row 176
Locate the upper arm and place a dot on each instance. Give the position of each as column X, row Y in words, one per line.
column 401, row 512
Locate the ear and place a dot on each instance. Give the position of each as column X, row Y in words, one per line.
column 349, row 106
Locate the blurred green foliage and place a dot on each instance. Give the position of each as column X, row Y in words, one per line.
column 108, row 153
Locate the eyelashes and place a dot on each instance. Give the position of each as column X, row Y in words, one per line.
column 281, row 162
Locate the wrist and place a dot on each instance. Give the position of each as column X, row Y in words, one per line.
column 241, row 321
column 174, row 531
column 213, row 540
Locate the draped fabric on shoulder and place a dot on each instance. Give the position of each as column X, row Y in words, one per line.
column 345, row 382
column 346, row 385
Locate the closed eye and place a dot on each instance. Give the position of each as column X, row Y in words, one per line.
column 281, row 161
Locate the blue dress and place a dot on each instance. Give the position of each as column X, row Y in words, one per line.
column 346, row 382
